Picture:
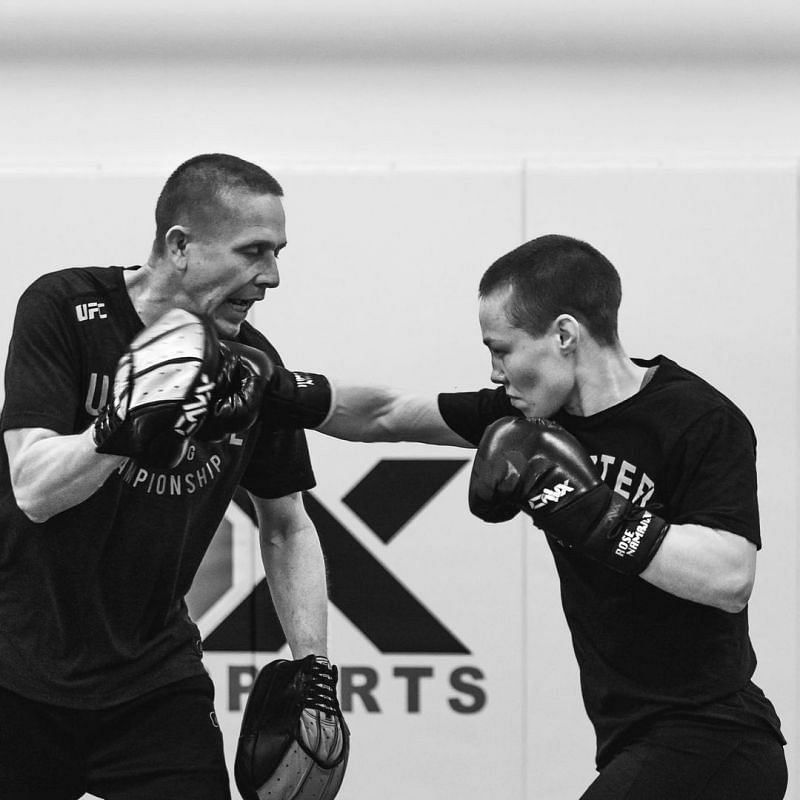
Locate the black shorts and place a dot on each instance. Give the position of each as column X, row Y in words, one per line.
column 691, row 761
column 161, row 746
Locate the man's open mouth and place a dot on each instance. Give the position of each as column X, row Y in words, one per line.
column 241, row 305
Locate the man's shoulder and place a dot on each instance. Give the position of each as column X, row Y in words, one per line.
column 69, row 281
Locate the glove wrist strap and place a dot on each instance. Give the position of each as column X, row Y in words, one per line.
column 627, row 538
column 297, row 399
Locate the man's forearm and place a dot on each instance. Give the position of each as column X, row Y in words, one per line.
column 295, row 571
column 51, row 473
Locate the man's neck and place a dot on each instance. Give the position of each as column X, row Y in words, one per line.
column 150, row 293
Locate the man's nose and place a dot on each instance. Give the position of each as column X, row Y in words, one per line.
column 268, row 274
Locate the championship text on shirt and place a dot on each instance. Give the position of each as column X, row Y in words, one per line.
column 175, row 483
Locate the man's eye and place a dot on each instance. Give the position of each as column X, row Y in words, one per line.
column 260, row 250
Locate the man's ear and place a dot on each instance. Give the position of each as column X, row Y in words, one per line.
column 176, row 239
column 569, row 333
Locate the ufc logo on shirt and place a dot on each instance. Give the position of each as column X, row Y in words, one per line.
column 89, row 311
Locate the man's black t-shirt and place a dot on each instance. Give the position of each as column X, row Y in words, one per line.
column 92, row 600
column 644, row 654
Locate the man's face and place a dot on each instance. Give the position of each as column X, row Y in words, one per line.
column 537, row 377
column 232, row 258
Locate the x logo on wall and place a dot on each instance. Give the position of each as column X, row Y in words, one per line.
column 360, row 586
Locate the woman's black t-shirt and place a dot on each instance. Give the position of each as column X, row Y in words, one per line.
column 681, row 446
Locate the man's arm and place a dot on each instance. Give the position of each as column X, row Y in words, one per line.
column 707, row 566
column 295, row 571
column 382, row 414
column 51, row 473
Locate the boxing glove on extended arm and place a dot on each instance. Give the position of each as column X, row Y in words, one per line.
column 537, row 467
column 296, row 399
column 238, row 391
column 249, row 383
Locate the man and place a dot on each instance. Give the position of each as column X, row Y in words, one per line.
column 642, row 477
column 102, row 686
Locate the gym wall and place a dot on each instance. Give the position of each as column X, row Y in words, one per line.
column 448, row 632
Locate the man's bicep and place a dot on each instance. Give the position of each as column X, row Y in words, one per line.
column 280, row 515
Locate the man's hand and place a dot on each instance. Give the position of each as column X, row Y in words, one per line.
column 537, row 467
column 294, row 742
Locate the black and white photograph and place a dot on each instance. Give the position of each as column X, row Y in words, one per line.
column 399, row 400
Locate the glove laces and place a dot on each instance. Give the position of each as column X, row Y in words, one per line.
column 319, row 689
column 633, row 515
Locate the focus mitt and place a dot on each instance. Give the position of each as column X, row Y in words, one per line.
column 294, row 742
column 161, row 391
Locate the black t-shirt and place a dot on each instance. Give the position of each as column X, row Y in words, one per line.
column 92, row 600
column 644, row 654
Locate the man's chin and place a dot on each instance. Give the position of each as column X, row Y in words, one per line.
column 225, row 328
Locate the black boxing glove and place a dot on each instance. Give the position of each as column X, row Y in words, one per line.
column 296, row 399
column 249, row 383
column 238, row 391
column 537, row 467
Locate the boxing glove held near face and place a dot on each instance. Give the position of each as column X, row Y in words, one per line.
column 537, row 467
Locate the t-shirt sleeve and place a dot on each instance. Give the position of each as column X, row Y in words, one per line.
column 280, row 464
column 42, row 370
column 714, row 475
column 470, row 413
